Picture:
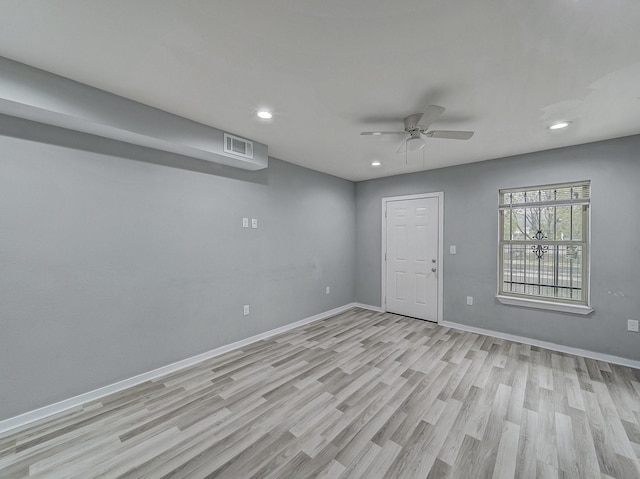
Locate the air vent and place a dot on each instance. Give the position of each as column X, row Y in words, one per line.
column 238, row 146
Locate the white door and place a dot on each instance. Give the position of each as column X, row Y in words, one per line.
column 412, row 257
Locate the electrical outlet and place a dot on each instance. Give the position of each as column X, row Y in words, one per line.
column 254, row 223
column 246, row 310
column 245, row 222
column 452, row 249
column 469, row 300
column 632, row 325
column 327, row 290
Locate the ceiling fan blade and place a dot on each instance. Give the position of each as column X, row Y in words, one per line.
column 450, row 135
column 403, row 147
column 431, row 114
column 379, row 133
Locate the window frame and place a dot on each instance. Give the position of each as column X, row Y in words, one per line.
column 544, row 302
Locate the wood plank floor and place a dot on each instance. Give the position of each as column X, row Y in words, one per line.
column 361, row 394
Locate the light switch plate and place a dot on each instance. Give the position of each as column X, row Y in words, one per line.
column 245, row 222
column 254, row 223
column 632, row 325
column 452, row 249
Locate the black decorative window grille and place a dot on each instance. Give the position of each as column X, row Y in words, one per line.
column 539, row 250
column 544, row 246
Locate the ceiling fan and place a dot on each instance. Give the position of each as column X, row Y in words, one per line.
column 418, row 124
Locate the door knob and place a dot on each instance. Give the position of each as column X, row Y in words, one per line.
column 433, row 260
column 433, row 270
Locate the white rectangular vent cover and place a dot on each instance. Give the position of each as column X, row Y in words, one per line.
column 237, row 146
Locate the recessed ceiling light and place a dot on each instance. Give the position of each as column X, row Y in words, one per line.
column 264, row 114
column 560, row 125
column 376, row 163
column 376, row 133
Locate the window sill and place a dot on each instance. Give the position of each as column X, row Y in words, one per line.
column 548, row 305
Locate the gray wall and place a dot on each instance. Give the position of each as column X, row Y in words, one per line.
column 471, row 223
column 115, row 260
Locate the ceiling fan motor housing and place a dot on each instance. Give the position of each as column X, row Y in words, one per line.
column 411, row 123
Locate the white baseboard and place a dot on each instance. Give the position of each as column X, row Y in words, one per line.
column 46, row 411
column 377, row 309
column 547, row 345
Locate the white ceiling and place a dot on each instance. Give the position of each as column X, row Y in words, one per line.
column 333, row 68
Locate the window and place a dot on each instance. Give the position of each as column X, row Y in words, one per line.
column 544, row 246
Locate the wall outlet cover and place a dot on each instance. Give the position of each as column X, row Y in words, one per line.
column 245, row 222
column 246, row 309
column 469, row 300
column 254, row 223
column 632, row 325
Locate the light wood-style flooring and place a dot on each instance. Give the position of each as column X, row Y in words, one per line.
column 360, row 395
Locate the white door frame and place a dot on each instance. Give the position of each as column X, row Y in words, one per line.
column 440, row 196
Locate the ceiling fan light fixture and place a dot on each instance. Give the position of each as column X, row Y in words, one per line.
column 560, row 125
column 415, row 144
column 264, row 114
